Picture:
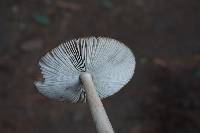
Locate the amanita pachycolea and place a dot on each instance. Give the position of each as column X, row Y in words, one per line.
column 87, row 69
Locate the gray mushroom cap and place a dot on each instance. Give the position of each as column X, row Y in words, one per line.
column 109, row 61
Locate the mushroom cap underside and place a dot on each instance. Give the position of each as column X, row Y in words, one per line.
column 109, row 61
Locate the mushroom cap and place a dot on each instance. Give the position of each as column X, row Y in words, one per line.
column 109, row 61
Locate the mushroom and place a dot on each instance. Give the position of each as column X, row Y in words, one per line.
column 87, row 69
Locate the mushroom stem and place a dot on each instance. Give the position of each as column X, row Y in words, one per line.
column 98, row 112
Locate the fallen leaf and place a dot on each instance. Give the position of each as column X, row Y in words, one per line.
column 32, row 45
column 68, row 5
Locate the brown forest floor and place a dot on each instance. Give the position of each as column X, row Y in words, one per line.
column 163, row 96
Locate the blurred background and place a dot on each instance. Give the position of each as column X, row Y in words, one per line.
column 162, row 97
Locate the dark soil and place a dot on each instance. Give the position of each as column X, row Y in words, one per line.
column 162, row 97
